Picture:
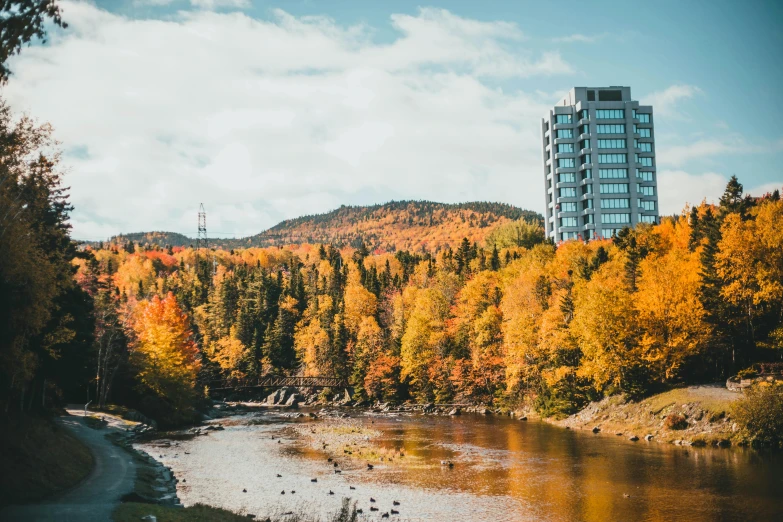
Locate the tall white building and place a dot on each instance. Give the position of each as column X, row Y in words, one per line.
column 599, row 164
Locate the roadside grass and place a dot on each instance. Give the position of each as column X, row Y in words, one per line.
column 39, row 458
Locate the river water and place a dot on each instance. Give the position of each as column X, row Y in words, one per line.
column 503, row 470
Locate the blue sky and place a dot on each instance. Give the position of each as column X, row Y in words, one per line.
column 269, row 110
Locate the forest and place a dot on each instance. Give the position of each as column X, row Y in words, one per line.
column 511, row 320
column 387, row 227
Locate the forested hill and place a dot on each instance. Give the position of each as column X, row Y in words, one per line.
column 397, row 225
column 160, row 239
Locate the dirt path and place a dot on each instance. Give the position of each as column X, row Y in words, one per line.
column 98, row 495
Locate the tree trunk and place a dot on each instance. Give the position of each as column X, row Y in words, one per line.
column 43, row 394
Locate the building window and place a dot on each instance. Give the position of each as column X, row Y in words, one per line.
column 566, row 163
column 647, row 219
column 589, row 219
column 612, row 173
column 607, row 114
column 587, row 189
column 549, row 169
column 568, row 177
column 646, row 204
column 645, row 191
column 612, row 158
column 568, row 222
column 643, row 117
column 615, row 218
column 546, row 143
column 611, row 129
column 614, row 188
column 584, row 129
column 584, row 114
column 611, row 144
column 645, row 175
column 563, row 118
column 584, row 144
column 565, row 133
column 615, row 203
column 568, row 192
column 644, row 146
column 609, row 233
column 565, row 147
column 546, row 126
column 586, row 159
column 548, row 155
column 568, row 235
column 644, row 161
column 643, row 133
column 568, row 207
column 587, row 204
column 587, row 174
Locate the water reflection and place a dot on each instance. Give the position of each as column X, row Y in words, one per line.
column 504, row 470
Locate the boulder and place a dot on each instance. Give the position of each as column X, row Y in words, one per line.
column 633, row 438
column 648, row 438
column 455, row 411
column 596, row 429
column 485, row 411
column 293, row 400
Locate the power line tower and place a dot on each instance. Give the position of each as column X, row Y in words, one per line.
column 201, row 239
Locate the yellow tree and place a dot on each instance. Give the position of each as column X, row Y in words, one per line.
column 750, row 262
column 359, row 302
column 605, row 327
column 230, row 354
column 424, row 336
column 165, row 354
column 669, row 312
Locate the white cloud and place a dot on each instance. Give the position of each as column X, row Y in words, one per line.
column 267, row 120
column 579, row 38
column 677, row 155
column 711, row 149
column 677, row 188
column 218, row 4
column 665, row 102
column 153, row 3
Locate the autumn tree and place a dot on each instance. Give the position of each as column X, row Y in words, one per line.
column 165, row 356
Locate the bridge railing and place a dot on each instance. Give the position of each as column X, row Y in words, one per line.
column 278, row 381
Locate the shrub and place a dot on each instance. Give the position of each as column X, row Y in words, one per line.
column 759, row 414
column 771, row 367
column 675, row 421
column 748, row 373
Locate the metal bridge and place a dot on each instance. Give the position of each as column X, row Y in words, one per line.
column 276, row 381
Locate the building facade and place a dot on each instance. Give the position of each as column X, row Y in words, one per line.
column 599, row 164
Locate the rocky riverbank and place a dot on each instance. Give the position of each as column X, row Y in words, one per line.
column 696, row 415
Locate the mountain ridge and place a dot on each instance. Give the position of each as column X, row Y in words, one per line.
column 391, row 226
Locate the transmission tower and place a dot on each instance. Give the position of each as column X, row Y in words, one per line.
column 201, row 239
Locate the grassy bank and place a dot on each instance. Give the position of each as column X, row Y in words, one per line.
column 693, row 415
column 39, row 458
column 134, row 511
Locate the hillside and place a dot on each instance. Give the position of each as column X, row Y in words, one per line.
column 161, row 239
column 397, row 225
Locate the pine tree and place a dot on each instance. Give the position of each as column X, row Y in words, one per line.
column 494, row 261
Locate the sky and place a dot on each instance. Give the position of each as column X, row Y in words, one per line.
column 265, row 111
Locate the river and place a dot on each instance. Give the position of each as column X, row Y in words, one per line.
column 503, row 470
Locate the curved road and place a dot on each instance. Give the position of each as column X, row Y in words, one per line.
column 95, row 497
